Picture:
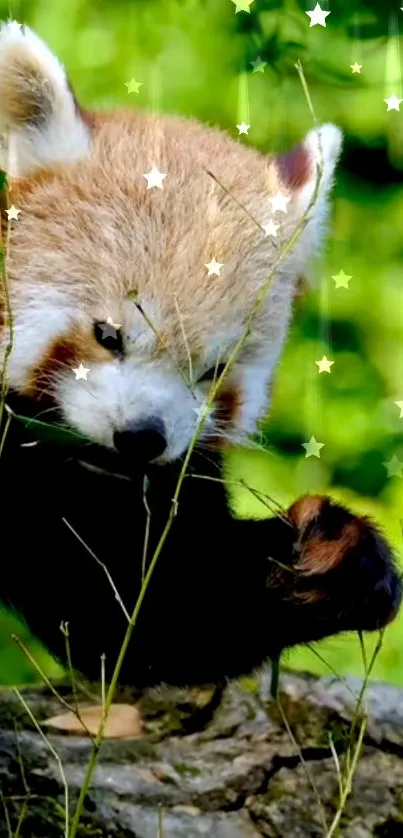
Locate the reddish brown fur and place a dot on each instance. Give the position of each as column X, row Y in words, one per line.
column 228, row 403
column 67, row 352
column 295, row 167
column 304, row 510
column 320, row 556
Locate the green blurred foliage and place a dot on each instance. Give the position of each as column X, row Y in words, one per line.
column 193, row 58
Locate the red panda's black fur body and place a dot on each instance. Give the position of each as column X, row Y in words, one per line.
column 217, row 606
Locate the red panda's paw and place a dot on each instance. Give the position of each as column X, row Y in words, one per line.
column 345, row 575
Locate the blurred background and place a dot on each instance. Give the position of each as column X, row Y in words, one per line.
column 201, row 58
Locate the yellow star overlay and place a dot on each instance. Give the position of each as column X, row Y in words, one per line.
column 13, row 213
column 242, row 5
column 312, row 447
column 154, row 178
column 324, row 365
column 341, row 279
column 400, row 406
column 279, row 202
column 393, row 102
column 214, row 267
column 258, row 65
column 356, row 68
column 270, row 229
column 133, row 86
column 394, row 467
column 81, row 372
column 317, row 16
column 243, row 128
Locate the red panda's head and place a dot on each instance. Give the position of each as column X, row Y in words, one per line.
column 148, row 287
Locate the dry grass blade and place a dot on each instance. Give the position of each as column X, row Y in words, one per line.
column 102, row 565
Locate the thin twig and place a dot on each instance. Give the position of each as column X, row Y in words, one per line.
column 337, row 764
column 347, row 787
column 331, row 669
column 48, row 683
column 263, row 497
column 185, row 340
column 22, row 816
column 303, row 762
column 160, row 822
column 54, row 754
column 64, row 627
column 147, row 529
column 102, row 565
column 6, row 815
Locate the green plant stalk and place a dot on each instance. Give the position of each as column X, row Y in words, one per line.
column 349, row 779
column 56, row 756
column 363, row 690
column 160, row 822
column 287, row 247
column 22, row 816
column 352, row 757
column 48, row 683
column 6, row 816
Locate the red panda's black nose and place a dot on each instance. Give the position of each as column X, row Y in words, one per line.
column 144, row 440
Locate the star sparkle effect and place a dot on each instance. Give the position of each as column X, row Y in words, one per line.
column 133, row 86
column 394, row 467
column 14, row 26
column 341, row 279
column 270, row 229
column 214, row 267
column 393, row 102
column 109, row 328
column 324, row 365
column 81, row 372
column 356, row 68
column 203, row 411
column 400, row 406
column 258, row 65
column 243, row 128
column 242, row 5
column 313, row 447
column 13, row 213
column 317, row 16
column 154, row 178
column 279, row 202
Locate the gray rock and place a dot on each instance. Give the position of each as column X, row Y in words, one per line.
column 226, row 770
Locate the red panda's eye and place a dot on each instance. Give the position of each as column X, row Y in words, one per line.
column 109, row 336
column 213, row 374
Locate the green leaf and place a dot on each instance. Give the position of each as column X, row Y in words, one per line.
column 46, row 432
column 3, row 180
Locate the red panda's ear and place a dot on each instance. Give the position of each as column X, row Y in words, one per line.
column 321, row 147
column 40, row 121
column 308, row 172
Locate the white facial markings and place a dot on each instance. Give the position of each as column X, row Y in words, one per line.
column 118, row 394
column 42, row 315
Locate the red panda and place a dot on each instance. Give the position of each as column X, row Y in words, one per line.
column 137, row 251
